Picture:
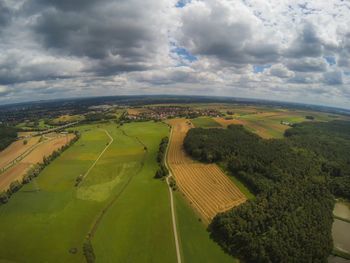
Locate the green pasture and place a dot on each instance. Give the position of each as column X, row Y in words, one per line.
column 137, row 227
column 205, row 122
column 196, row 245
column 49, row 219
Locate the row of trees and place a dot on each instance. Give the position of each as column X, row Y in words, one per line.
column 291, row 218
column 162, row 170
column 34, row 171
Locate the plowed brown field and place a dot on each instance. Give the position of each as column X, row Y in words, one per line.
column 18, row 170
column 206, row 187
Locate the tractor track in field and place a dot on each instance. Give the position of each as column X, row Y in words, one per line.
column 98, row 158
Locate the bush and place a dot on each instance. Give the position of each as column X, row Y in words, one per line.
column 88, row 252
column 4, row 197
column 14, row 187
column 162, row 170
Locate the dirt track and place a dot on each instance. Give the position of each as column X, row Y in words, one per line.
column 206, row 187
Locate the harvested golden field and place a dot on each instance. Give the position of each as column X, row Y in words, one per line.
column 16, row 149
column 31, row 156
column 207, row 188
column 15, row 173
column 223, row 122
column 265, row 128
column 46, row 148
column 25, row 134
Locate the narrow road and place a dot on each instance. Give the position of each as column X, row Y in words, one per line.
column 178, row 254
column 98, row 158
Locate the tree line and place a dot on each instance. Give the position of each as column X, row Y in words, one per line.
column 290, row 219
column 162, row 170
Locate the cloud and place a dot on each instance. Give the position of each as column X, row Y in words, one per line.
column 285, row 50
column 5, row 14
column 279, row 70
column 118, row 35
column 307, row 65
column 307, row 44
column 16, row 67
column 333, row 77
column 226, row 31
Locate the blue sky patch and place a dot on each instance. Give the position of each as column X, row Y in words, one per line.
column 260, row 68
column 183, row 53
column 330, row 60
column 182, row 3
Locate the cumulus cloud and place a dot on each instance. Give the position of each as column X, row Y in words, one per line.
column 279, row 70
column 125, row 35
column 227, row 31
column 264, row 49
column 307, row 64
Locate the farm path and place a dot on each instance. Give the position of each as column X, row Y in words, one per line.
column 178, row 254
column 99, row 157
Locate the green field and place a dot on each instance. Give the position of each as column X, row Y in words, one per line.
column 205, row 122
column 196, row 246
column 48, row 219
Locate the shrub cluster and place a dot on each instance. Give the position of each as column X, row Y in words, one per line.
column 34, row 171
column 162, row 170
column 88, row 251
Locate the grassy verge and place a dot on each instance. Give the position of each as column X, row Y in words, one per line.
column 342, row 219
column 340, row 253
column 244, row 189
column 196, row 245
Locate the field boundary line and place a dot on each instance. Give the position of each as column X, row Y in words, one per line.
column 98, row 158
column 173, row 216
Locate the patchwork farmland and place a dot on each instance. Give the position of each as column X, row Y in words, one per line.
column 206, row 187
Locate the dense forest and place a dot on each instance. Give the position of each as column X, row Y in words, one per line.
column 7, row 136
column 293, row 179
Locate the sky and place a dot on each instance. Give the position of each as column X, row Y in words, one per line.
column 296, row 51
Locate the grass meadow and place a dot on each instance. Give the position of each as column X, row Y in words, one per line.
column 49, row 219
column 205, row 122
column 195, row 243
